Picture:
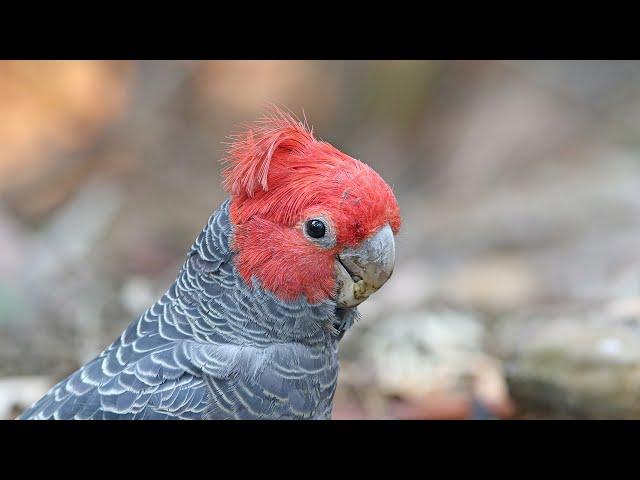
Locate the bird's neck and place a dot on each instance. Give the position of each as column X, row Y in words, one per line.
column 221, row 306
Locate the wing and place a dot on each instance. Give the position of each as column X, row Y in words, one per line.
column 159, row 383
column 195, row 380
column 201, row 352
column 282, row 381
column 148, row 371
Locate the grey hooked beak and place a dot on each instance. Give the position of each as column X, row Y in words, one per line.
column 362, row 270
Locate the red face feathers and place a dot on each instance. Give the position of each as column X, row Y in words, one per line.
column 279, row 178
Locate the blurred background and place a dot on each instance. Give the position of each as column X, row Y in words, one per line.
column 517, row 286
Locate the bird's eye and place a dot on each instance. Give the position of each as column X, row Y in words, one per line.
column 315, row 228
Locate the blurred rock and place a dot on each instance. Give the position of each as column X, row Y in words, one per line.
column 419, row 352
column 583, row 362
column 432, row 362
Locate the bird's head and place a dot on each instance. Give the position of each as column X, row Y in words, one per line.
column 308, row 219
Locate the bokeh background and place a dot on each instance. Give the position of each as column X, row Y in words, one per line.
column 517, row 287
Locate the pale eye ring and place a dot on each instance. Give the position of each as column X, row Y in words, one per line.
column 320, row 231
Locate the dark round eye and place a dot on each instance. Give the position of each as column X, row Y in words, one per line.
column 315, row 228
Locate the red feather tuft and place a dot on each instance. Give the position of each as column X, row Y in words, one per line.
column 252, row 152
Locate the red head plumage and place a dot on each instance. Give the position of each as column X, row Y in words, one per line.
column 279, row 176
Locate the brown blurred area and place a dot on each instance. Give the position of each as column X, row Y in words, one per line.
column 517, row 286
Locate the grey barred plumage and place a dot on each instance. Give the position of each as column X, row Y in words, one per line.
column 211, row 347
